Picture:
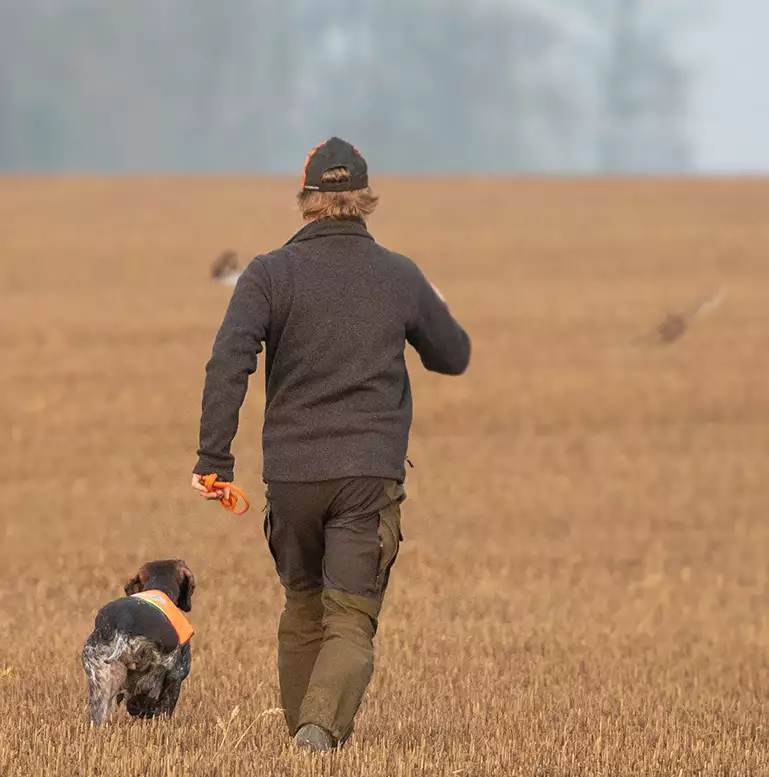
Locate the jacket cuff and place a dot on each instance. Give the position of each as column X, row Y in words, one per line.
column 206, row 467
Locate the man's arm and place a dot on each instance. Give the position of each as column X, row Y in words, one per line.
column 237, row 344
column 442, row 344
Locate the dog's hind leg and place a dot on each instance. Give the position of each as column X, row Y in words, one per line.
column 105, row 679
column 158, row 694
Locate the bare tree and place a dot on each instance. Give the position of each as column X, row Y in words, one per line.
column 642, row 88
column 459, row 87
column 491, row 86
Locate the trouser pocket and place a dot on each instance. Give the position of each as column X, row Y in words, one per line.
column 268, row 527
column 390, row 534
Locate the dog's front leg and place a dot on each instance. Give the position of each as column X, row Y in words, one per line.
column 173, row 682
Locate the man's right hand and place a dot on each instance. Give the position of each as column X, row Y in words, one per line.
column 217, row 493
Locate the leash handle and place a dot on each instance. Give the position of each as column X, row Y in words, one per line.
column 210, row 483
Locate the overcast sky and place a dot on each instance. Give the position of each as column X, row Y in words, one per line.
column 730, row 111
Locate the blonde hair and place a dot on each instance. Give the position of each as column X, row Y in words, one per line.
column 359, row 204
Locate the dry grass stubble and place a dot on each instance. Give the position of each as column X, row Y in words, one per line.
column 583, row 586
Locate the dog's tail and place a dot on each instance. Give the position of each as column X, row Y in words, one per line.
column 117, row 648
column 136, row 652
column 132, row 651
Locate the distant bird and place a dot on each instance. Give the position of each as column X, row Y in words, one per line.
column 675, row 325
column 225, row 269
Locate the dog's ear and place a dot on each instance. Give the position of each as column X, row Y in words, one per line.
column 186, row 585
column 137, row 582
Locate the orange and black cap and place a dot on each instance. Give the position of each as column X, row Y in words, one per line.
column 335, row 152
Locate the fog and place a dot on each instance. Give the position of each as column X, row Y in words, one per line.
column 421, row 86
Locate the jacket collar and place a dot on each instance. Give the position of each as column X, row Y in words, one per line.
column 331, row 227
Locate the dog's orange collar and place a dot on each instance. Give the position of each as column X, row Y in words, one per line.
column 176, row 617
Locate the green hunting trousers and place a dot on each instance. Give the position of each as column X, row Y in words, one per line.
column 334, row 544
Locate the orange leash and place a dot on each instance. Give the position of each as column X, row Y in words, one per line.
column 211, row 483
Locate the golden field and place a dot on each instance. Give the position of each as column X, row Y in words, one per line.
column 584, row 582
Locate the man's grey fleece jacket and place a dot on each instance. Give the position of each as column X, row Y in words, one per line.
column 335, row 310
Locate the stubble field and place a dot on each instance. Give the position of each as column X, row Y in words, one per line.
column 583, row 586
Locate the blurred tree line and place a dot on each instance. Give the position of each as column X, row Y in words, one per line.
column 492, row 86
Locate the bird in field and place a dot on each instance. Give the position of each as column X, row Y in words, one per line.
column 225, row 269
column 676, row 324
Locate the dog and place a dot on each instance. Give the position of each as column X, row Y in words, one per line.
column 139, row 651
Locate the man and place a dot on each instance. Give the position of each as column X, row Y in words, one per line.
column 335, row 310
